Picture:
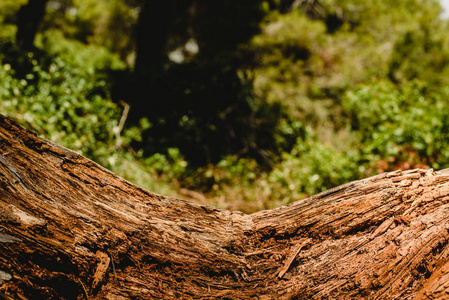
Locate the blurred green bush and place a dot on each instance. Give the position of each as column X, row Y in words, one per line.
column 404, row 126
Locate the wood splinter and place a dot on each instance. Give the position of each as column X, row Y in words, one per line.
column 102, row 267
column 294, row 252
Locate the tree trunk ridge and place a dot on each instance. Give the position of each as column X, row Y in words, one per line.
column 71, row 229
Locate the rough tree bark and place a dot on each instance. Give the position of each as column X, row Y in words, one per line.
column 71, row 229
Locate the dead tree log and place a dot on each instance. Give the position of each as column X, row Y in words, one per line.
column 71, row 229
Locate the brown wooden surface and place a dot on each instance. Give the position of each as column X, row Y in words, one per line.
column 71, row 229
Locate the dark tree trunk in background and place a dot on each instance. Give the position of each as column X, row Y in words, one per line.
column 29, row 18
column 70, row 229
column 151, row 37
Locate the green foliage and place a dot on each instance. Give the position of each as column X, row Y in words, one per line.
column 404, row 124
column 422, row 53
column 227, row 172
column 63, row 106
column 106, row 23
column 297, row 60
column 66, row 105
column 8, row 9
column 310, row 168
column 312, row 97
column 89, row 58
column 285, row 54
column 171, row 164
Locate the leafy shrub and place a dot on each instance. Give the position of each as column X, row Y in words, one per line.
column 229, row 171
column 65, row 99
column 310, row 168
column 86, row 58
column 422, row 54
column 66, row 104
column 171, row 164
column 400, row 123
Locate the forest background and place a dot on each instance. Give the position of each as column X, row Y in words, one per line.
column 244, row 105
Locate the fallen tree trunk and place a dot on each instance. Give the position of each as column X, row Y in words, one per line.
column 71, row 229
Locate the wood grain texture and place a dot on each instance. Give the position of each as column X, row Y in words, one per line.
column 70, row 229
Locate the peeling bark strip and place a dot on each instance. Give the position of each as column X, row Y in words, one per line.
column 71, row 229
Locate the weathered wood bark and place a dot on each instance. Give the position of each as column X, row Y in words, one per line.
column 71, row 229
